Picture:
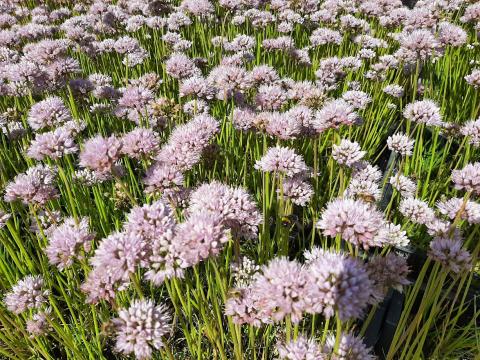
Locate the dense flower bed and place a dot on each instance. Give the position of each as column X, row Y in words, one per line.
column 241, row 179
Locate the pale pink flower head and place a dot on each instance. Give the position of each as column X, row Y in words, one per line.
column 450, row 253
column 389, row 271
column 270, row 97
column 141, row 328
column 39, row 324
column 450, row 34
column 35, row 186
column 359, row 100
column 263, row 75
column 154, row 223
column 66, row 242
column 423, row 112
column 100, row 154
column 394, row 90
column 161, row 177
column 347, row 153
column 404, row 185
column 416, row 45
column 298, row 190
column 53, row 144
column 401, row 144
column 393, row 235
column 355, row 221
column 140, row 143
column 180, row 66
column 201, row 236
column 454, row 207
column 351, row 348
column 416, row 210
column 285, row 288
column 342, row 283
column 119, row 254
column 302, row 348
column 233, row 205
column 247, row 306
column 281, row 160
column 282, row 125
column 28, row 293
column 50, row 112
column 333, row 114
column 467, row 178
column 473, row 78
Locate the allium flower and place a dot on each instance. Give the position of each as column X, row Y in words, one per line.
column 347, row 153
column 180, row 66
column 357, row 99
column 450, row 254
column 187, row 141
column 196, row 107
column 301, row 349
column 351, row 348
column 467, row 178
column 417, row 44
column 401, row 144
column 178, row 19
column 243, row 119
column 201, row 236
column 365, row 190
column 324, row 36
column 100, row 154
column 286, row 290
column 50, row 112
column 450, row 34
column 53, row 144
column 333, row 114
column 228, row 79
column 474, row 78
column 281, row 160
column 389, row 271
column 354, row 220
column 263, row 75
column 247, row 306
column 366, row 172
column 35, row 186
column 298, row 190
column 45, row 221
column 197, row 86
column 342, row 282
column 270, row 97
column 415, row 210
column 119, row 253
column 394, row 90
column 393, row 235
column 472, row 130
column 234, row 206
column 66, row 241
column 153, row 223
column 404, row 185
column 38, row 325
column 471, row 13
column 469, row 210
column 244, row 272
column 161, row 177
column 4, row 217
column 140, row 143
column 281, row 125
column 28, row 293
column 423, row 112
column 141, row 328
